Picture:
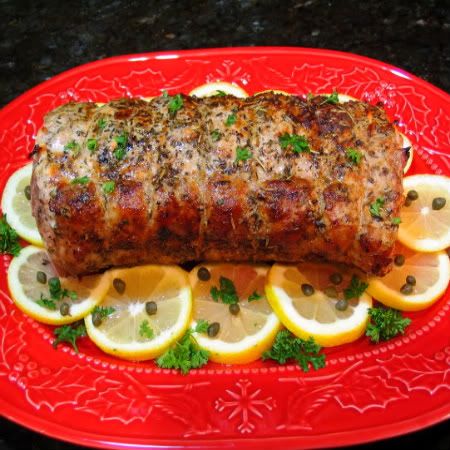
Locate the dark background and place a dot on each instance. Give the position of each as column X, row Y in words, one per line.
column 39, row 39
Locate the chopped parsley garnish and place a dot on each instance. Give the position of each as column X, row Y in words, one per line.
column 101, row 124
column 375, row 207
column 333, row 98
column 184, row 355
column 254, row 296
column 46, row 303
column 385, row 323
column 353, row 155
column 220, row 93
column 103, row 311
column 57, row 292
column 80, row 180
column 226, row 293
column 73, row 146
column 175, row 104
column 121, row 148
column 231, row 120
column 108, row 187
column 201, row 326
column 9, row 239
column 355, row 289
column 294, row 142
column 216, row 135
column 145, row 330
column 242, row 154
column 288, row 348
column 70, row 334
column 92, row 145
column 396, row 221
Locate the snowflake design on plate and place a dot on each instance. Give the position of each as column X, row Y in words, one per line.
column 244, row 403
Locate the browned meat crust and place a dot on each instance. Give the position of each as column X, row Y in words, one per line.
column 178, row 193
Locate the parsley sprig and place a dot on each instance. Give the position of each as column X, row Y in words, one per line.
column 287, row 347
column 242, row 154
column 57, row 293
column 355, row 289
column 175, row 104
column 231, row 120
column 254, row 296
column 121, row 148
column 376, row 207
column 145, row 330
column 226, row 293
column 353, row 155
column 333, row 98
column 294, row 142
column 201, row 326
column 9, row 239
column 184, row 355
column 103, row 311
column 70, row 334
column 80, row 180
column 385, row 323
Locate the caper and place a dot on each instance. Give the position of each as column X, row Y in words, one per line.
column 341, row 305
column 119, row 285
column 410, row 279
column 412, row 195
column 406, row 289
column 64, row 309
column 438, row 203
column 407, row 202
column 27, row 192
column 331, row 291
column 234, row 309
column 151, row 308
column 96, row 319
column 41, row 277
column 307, row 289
column 203, row 274
column 213, row 329
column 336, row 278
column 399, row 260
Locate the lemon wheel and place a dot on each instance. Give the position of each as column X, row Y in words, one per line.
column 425, row 225
column 144, row 311
column 428, row 273
column 16, row 205
column 218, row 88
column 29, row 280
column 308, row 303
column 241, row 330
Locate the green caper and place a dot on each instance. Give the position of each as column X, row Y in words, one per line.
column 341, row 305
column 406, row 289
column 399, row 260
column 96, row 319
column 336, row 278
column 27, row 192
column 203, row 274
column 41, row 277
column 438, row 203
column 213, row 329
column 151, row 308
column 307, row 289
column 119, row 285
column 64, row 309
column 407, row 202
column 331, row 292
column 412, row 195
column 410, row 279
column 234, row 309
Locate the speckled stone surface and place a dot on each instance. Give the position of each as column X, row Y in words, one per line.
column 39, row 39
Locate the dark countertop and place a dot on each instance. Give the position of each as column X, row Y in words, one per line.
column 39, row 39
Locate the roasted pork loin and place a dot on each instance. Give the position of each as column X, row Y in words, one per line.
column 267, row 178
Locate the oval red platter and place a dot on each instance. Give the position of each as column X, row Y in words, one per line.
column 365, row 392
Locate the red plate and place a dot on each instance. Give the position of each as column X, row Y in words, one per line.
column 366, row 392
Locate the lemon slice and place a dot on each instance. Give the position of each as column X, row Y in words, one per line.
column 133, row 330
column 274, row 91
column 243, row 335
column 17, row 206
column 425, row 228
column 306, row 301
column 26, row 290
column 431, row 272
column 218, row 88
